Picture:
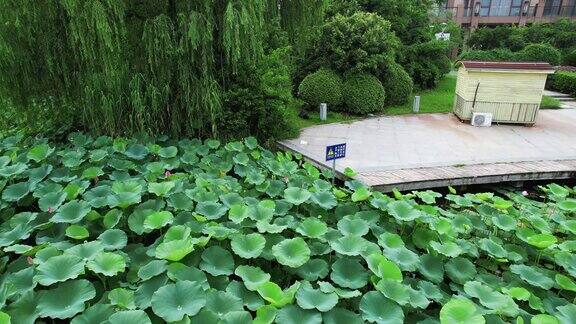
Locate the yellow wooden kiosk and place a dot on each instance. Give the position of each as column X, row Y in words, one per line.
column 509, row 92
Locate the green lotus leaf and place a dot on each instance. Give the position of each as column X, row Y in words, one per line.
column 92, row 172
column 449, row 249
column 174, row 301
column 350, row 245
column 66, row 300
column 403, row 257
column 349, row 273
column 77, row 232
column 241, row 158
column 313, row 270
column 217, row 261
column 361, row 194
column 296, row 196
column 174, row 250
column 341, row 316
column 252, row 277
column 292, row 314
column 112, row 218
column 71, row 212
column 292, row 252
column 544, row 319
column 263, row 211
column 565, row 282
column 532, row 275
column 21, row 281
column 250, row 299
column 566, row 313
column 59, row 268
column 152, row 269
column 231, row 199
column 542, row 241
column 99, row 313
column 51, row 201
column 113, row 239
column 38, row 174
column 24, row 309
column 179, row 201
column 489, row 297
column 122, row 298
column 236, row 317
column 312, row 227
column 136, row 152
column 568, row 205
column 129, row 317
column 376, row 308
column 158, row 220
column 432, row 268
column 383, row 268
column 328, row 288
column 131, row 186
column 309, row 298
column 273, row 294
column 325, row 199
column 161, row 189
column 493, row 248
column 402, row 211
column 75, row 188
column 265, row 315
column 394, row 290
column 504, row 222
column 460, row 270
column 222, row 303
column 107, row 263
column 248, row 246
column 238, row 213
column 181, row 272
column 86, row 251
column 211, row 210
column 353, row 226
column 12, row 170
column 428, row 196
column 460, row 311
column 15, row 192
column 558, row 190
column 502, row 204
column 168, row 152
column 40, row 152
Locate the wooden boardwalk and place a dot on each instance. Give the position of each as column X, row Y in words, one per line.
column 436, row 150
column 425, row 178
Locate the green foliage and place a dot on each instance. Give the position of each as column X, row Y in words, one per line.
column 562, row 81
column 540, row 53
column 363, row 94
column 426, row 63
column 494, row 55
column 362, row 42
column 398, row 85
column 549, row 103
column 127, row 67
column 266, row 236
column 570, row 57
column 322, row 86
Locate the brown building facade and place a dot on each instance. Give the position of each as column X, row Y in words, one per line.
column 476, row 13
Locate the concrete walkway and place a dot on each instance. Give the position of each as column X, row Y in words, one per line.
column 566, row 102
column 439, row 140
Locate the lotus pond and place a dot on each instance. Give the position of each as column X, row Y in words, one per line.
column 124, row 231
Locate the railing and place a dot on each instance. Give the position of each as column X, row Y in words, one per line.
column 506, row 11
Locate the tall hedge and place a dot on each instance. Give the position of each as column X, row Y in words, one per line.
column 398, row 85
column 540, row 53
column 363, row 94
column 563, row 81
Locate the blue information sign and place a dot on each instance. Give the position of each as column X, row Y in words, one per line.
column 335, row 152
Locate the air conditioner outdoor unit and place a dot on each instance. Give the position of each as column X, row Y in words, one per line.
column 481, row 119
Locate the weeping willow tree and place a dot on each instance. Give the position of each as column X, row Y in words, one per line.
column 124, row 67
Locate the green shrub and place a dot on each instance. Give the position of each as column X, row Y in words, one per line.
column 322, row 86
column 496, row 55
column 363, row 94
column 426, row 63
column 398, row 85
column 570, row 57
column 540, row 53
column 563, row 81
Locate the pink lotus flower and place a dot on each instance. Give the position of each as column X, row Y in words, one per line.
column 524, row 193
column 167, row 173
column 96, row 180
column 50, row 210
column 30, row 260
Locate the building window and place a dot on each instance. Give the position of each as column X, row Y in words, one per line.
column 485, row 8
column 552, row 7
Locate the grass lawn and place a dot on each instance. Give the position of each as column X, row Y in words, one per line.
column 549, row 103
column 439, row 99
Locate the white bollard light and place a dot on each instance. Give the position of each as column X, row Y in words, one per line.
column 323, row 111
column 416, row 106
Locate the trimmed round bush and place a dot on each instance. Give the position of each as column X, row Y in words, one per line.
column 496, row 55
column 322, row 86
column 540, row 53
column 397, row 84
column 363, row 94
